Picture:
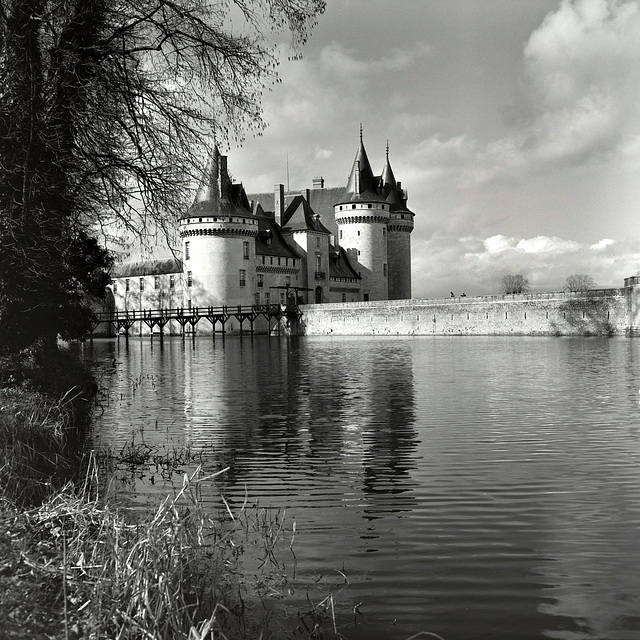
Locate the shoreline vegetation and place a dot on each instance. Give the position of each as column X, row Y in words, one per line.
column 75, row 565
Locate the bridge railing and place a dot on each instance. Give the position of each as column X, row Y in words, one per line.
column 189, row 312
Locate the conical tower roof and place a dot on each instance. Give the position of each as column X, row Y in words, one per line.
column 217, row 195
column 389, row 184
column 361, row 185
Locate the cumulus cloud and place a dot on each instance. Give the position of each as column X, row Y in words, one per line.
column 579, row 100
column 582, row 72
column 446, row 263
column 498, row 244
column 602, row 244
column 544, row 244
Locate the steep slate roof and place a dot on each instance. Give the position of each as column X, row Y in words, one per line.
column 299, row 216
column 361, row 185
column 389, row 184
column 339, row 265
column 390, row 188
column 269, row 241
column 217, row 195
column 146, row 268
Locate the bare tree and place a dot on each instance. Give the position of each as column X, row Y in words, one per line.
column 579, row 282
column 515, row 284
column 107, row 109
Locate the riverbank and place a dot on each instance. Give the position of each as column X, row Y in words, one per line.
column 73, row 564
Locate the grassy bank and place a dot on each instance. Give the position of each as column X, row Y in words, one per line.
column 73, row 565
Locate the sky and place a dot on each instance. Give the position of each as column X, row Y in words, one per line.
column 514, row 126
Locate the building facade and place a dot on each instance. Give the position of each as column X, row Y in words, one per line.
column 320, row 245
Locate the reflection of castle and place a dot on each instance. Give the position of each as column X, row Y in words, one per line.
column 328, row 245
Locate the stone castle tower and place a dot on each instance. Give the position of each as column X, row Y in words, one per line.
column 319, row 245
column 374, row 227
column 218, row 235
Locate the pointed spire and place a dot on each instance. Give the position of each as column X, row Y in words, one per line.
column 389, row 184
column 217, row 195
column 361, row 178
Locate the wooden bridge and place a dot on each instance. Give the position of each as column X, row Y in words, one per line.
column 188, row 318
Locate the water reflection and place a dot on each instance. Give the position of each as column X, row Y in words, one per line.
column 474, row 488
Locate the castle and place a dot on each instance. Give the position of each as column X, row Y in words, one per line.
column 319, row 245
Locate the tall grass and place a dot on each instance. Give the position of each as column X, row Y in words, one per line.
column 74, row 565
column 35, row 456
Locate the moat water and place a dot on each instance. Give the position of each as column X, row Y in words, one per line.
column 473, row 488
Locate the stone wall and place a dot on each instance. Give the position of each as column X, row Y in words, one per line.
column 597, row 312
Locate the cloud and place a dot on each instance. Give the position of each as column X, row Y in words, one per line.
column 498, row 244
column 544, row 244
column 578, row 102
column 476, row 266
column 602, row 244
column 582, row 73
column 341, row 63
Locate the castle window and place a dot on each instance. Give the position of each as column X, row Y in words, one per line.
column 187, row 253
column 358, row 233
column 318, row 262
column 286, row 262
column 126, row 284
column 141, row 284
column 370, row 206
column 278, row 260
column 384, row 269
column 243, row 277
column 115, row 287
column 340, row 234
column 282, row 297
column 172, row 281
column 318, row 242
column 270, row 259
column 257, row 297
column 384, row 232
column 263, row 259
column 287, row 281
column 344, row 297
column 267, row 297
column 353, row 206
column 261, row 280
column 366, row 297
column 189, row 279
column 245, row 250
column 156, row 282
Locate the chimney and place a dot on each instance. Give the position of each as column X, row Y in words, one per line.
column 318, row 182
column 278, row 202
column 306, row 194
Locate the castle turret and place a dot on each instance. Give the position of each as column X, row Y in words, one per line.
column 362, row 216
column 399, row 231
column 218, row 234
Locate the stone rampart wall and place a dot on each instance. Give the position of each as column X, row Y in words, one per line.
column 598, row 312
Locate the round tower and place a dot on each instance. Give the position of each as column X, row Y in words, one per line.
column 362, row 217
column 399, row 231
column 218, row 241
